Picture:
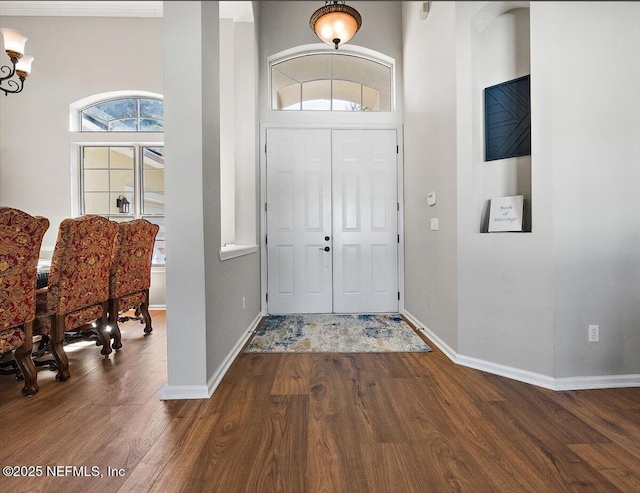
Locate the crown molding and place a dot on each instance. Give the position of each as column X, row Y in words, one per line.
column 241, row 11
column 82, row 8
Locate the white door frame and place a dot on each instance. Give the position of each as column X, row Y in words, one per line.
column 263, row 197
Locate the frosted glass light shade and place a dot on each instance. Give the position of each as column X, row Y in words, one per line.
column 23, row 67
column 13, row 41
column 335, row 24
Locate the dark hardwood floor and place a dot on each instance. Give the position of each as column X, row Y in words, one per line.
column 313, row 423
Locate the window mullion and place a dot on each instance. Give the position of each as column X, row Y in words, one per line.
column 137, row 181
column 82, row 192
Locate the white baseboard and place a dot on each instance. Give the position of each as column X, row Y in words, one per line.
column 565, row 383
column 216, row 378
column 177, row 392
column 157, row 307
column 598, row 382
column 507, row 371
column 443, row 346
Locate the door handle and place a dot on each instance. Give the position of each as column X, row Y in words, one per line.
column 326, row 249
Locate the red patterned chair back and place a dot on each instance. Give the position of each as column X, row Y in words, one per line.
column 20, row 241
column 81, row 262
column 131, row 266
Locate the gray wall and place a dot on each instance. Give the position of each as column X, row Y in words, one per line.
column 431, row 288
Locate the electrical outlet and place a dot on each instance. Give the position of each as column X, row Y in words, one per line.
column 244, row 305
column 594, row 333
column 434, row 224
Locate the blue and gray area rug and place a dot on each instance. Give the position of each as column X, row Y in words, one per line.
column 380, row 333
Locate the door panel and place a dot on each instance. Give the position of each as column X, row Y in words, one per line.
column 340, row 184
column 364, row 169
column 299, row 271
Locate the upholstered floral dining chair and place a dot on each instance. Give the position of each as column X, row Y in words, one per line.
column 131, row 274
column 77, row 294
column 20, row 241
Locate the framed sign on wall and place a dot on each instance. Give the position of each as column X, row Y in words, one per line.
column 507, row 119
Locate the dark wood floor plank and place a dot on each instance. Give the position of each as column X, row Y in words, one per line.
column 418, row 467
column 170, row 463
column 612, row 462
column 334, row 462
column 282, row 449
column 562, row 428
column 561, row 422
column 292, row 376
column 489, row 438
column 607, row 415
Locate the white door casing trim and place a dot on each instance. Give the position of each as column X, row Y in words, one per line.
column 263, row 196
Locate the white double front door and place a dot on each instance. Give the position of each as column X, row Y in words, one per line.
column 332, row 221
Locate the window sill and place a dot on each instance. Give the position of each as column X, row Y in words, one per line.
column 233, row 251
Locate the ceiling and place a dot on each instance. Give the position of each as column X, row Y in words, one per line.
column 241, row 11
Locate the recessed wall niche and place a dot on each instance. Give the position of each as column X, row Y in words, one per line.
column 501, row 53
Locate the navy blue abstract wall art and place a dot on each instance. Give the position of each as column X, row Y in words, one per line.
column 507, row 119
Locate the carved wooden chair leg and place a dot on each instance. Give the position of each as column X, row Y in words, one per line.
column 144, row 310
column 114, row 307
column 55, row 344
column 23, row 358
column 105, row 336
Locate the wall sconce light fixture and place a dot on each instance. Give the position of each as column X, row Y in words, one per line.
column 21, row 65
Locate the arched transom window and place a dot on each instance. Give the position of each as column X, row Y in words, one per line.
column 328, row 81
column 124, row 115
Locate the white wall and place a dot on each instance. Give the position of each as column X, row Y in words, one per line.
column 246, row 121
column 591, row 86
column 238, row 82
column 431, row 289
column 227, row 132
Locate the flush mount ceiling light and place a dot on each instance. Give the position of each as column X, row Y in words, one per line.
column 335, row 23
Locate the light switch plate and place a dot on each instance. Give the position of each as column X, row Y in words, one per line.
column 434, row 224
column 431, row 198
